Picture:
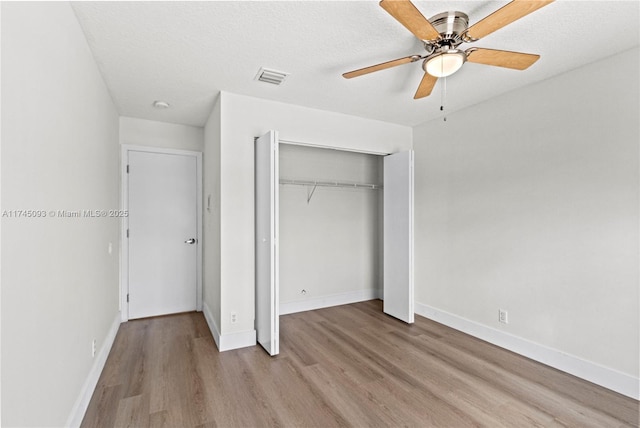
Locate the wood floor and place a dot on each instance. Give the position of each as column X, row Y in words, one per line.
column 342, row 366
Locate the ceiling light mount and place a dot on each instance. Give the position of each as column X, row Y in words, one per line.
column 451, row 26
column 159, row 104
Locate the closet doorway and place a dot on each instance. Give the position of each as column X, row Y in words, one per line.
column 326, row 234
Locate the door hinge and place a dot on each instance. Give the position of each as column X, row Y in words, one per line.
column 127, row 169
column 127, row 297
column 127, row 233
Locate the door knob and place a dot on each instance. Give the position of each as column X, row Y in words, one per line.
column 191, row 241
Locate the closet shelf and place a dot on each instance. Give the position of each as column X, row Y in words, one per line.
column 331, row 184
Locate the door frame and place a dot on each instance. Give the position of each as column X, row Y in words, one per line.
column 124, row 224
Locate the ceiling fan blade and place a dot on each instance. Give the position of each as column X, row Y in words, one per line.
column 408, row 15
column 426, row 86
column 382, row 66
column 515, row 60
column 504, row 16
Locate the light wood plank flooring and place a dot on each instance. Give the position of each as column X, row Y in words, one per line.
column 342, row 366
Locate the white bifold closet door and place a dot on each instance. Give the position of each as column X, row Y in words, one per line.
column 398, row 236
column 267, row 280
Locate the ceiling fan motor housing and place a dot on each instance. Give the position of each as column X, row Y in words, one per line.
column 451, row 26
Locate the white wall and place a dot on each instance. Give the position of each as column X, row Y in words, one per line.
column 330, row 246
column 211, row 219
column 144, row 132
column 242, row 119
column 529, row 203
column 0, row 221
column 59, row 152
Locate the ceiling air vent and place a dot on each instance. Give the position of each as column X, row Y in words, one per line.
column 271, row 76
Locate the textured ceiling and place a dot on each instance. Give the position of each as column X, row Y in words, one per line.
column 186, row 52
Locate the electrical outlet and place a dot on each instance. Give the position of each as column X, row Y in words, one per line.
column 93, row 348
column 503, row 316
column 234, row 317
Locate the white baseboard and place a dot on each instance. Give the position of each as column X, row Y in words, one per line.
column 240, row 339
column 215, row 331
column 82, row 403
column 600, row 375
column 327, row 301
column 227, row 342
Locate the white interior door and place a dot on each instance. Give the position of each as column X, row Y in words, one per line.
column 267, row 281
column 398, row 236
column 163, row 231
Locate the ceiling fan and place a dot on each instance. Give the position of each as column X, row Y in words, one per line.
column 442, row 35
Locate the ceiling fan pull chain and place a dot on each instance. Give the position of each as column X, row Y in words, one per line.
column 443, row 95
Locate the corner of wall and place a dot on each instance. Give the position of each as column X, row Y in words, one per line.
column 211, row 322
column 212, row 215
column 228, row 342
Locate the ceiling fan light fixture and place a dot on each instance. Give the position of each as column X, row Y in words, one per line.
column 443, row 33
column 444, row 64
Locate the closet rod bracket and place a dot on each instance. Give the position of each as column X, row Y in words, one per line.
column 310, row 195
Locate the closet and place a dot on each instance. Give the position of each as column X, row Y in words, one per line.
column 332, row 227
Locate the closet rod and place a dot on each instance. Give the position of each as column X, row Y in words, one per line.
column 331, row 184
